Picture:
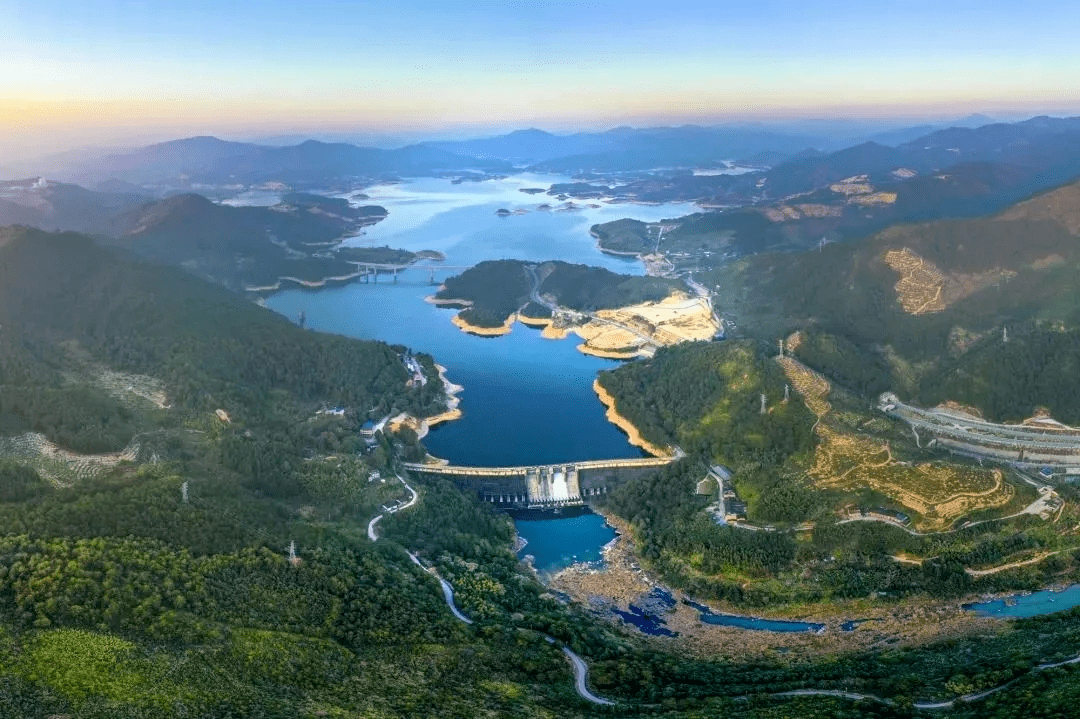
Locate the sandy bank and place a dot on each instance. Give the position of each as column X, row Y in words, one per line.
column 625, row 425
column 423, row 425
column 438, row 302
column 586, row 349
column 502, row 329
column 534, row 321
column 551, row 332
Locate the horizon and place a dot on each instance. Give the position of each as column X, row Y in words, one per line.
column 103, row 73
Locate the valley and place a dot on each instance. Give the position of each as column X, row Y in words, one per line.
column 212, row 443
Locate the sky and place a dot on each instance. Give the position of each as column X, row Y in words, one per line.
column 112, row 71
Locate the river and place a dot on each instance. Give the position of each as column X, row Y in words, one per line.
column 1029, row 605
column 558, row 542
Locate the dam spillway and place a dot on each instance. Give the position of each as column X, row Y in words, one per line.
column 539, row 486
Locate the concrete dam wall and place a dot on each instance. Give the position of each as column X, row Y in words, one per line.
column 549, row 485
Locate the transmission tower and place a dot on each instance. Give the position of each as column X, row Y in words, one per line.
column 780, row 342
column 293, row 559
column 1005, row 335
column 763, row 400
column 184, row 492
column 787, row 392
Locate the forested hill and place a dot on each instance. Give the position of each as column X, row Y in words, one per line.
column 209, row 346
column 496, row 289
column 919, row 307
column 251, row 246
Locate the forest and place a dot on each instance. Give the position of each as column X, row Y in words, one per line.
column 1010, row 273
column 704, row 397
column 211, row 349
column 496, row 289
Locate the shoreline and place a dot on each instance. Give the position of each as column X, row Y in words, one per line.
column 621, row 581
column 585, row 349
column 626, row 425
column 502, row 329
column 423, row 425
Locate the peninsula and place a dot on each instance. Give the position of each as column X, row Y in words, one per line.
column 616, row 316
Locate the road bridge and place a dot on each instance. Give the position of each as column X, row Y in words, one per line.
column 544, row 485
column 370, row 270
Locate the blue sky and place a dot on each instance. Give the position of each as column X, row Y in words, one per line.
column 216, row 65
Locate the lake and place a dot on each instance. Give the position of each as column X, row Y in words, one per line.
column 526, row 399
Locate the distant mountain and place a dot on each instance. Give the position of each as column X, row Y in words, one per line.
column 208, row 160
column 1030, row 155
column 54, row 205
column 808, row 173
column 531, row 146
column 687, row 146
column 247, row 246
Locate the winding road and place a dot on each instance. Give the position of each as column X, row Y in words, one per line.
column 925, row 705
column 581, row 679
column 581, row 669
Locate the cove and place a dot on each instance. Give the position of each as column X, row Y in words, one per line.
column 1029, row 605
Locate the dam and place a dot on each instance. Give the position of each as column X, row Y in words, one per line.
column 544, row 485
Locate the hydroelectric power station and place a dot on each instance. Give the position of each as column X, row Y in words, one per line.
column 544, row 485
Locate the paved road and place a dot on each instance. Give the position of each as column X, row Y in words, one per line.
column 581, row 679
column 371, row 533
column 925, row 705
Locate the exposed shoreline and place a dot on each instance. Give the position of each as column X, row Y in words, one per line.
column 423, row 425
column 626, row 425
column 502, row 329
column 622, row 581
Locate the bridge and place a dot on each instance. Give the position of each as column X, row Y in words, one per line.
column 370, row 270
column 544, row 485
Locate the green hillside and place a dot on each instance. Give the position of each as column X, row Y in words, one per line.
column 495, row 289
column 159, row 584
column 920, row 308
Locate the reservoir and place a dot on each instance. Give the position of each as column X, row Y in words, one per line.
column 526, row 399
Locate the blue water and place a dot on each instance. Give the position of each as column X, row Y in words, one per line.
column 526, row 399
column 1030, row 605
column 557, row 543
column 644, row 622
column 649, row 616
column 769, row 625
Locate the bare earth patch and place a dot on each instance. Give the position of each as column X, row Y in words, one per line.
column 939, row 493
column 923, row 288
